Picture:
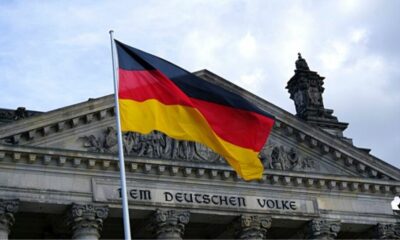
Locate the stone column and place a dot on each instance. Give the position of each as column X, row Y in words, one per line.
column 7, row 210
column 323, row 229
column 252, row 227
column 169, row 224
column 387, row 231
column 86, row 221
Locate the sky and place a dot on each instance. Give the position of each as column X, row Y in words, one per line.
column 57, row 53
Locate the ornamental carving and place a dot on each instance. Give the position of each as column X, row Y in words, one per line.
column 306, row 88
column 153, row 145
column 387, row 231
column 86, row 220
column 275, row 156
column 7, row 210
column 169, row 224
column 252, row 227
column 13, row 115
column 159, row 145
column 323, row 228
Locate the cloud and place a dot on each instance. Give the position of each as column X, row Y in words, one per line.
column 247, row 46
column 253, row 79
column 58, row 53
column 335, row 55
column 358, row 36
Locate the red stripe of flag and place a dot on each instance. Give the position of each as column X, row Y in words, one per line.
column 240, row 127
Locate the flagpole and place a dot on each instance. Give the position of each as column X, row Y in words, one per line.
column 125, row 209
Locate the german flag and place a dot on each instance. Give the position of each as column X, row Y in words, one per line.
column 154, row 94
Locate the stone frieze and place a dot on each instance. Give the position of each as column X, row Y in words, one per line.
column 276, row 156
column 159, row 146
column 153, row 145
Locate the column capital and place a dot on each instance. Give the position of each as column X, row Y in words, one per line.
column 320, row 228
column 7, row 210
column 252, row 226
column 387, row 231
column 86, row 220
column 169, row 224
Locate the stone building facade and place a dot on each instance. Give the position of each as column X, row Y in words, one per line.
column 59, row 177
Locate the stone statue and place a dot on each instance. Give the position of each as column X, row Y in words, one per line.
column 306, row 89
column 315, row 96
column 284, row 158
column 301, row 63
column 110, row 138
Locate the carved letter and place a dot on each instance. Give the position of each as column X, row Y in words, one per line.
column 261, row 203
column 168, row 196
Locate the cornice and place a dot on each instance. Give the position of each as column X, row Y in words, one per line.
column 69, row 160
column 58, row 120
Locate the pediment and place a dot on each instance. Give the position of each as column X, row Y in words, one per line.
column 293, row 146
